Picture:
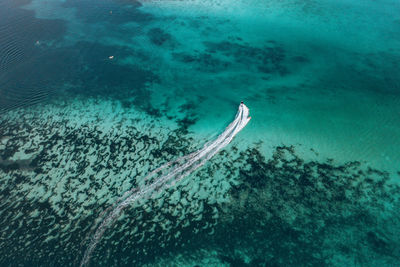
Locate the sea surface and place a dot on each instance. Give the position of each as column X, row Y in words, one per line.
column 97, row 94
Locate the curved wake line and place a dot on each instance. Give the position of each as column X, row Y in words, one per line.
column 185, row 166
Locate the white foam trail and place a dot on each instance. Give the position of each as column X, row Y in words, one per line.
column 189, row 164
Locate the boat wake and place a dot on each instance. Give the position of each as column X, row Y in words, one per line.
column 167, row 175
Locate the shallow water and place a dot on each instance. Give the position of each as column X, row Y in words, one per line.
column 94, row 95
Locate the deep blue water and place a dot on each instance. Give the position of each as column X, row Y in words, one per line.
column 96, row 94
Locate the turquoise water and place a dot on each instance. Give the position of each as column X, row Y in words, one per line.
column 94, row 95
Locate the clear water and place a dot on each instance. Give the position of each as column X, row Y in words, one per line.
column 94, row 95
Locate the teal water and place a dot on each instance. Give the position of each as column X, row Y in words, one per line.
column 94, row 95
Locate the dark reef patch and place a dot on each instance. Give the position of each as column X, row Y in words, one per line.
column 185, row 123
column 380, row 243
column 205, row 62
column 159, row 37
column 190, row 117
column 269, row 59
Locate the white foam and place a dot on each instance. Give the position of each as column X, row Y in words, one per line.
column 185, row 166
